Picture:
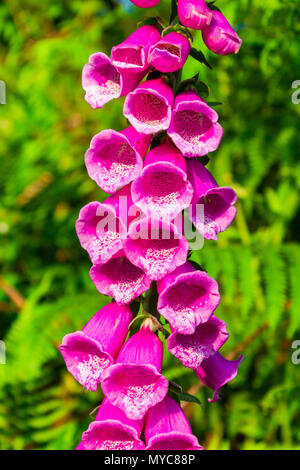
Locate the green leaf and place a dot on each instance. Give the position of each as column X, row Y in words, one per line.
column 198, row 55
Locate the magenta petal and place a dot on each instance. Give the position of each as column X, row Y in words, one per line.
column 194, row 128
column 120, row 279
column 170, row 52
column 218, row 202
column 102, row 81
column 194, row 14
column 216, row 371
column 187, row 299
column 145, row 3
column 220, row 37
column 111, row 435
column 156, row 248
column 163, row 189
column 89, row 352
column 113, row 159
column 148, row 107
column 174, row 441
column 193, row 349
column 167, row 428
column 85, row 359
column 132, row 54
column 134, row 388
column 99, row 231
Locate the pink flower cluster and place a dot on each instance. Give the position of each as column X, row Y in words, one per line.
column 132, row 238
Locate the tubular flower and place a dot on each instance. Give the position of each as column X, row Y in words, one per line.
column 100, row 227
column 193, row 349
column 120, row 279
column 187, row 298
column 148, row 107
column 216, row 371
column 112, row 430
column 132, row 54
column 155, row 248
column 145, row 3
column 220, row 37
column 218, row 202
column 162, row 189
column 167, row 428
column 134, row 384
column 102, row 81
column 89, row 352
column 194, row 14
column 170, row 52
column 194, row 127
column 114, row 159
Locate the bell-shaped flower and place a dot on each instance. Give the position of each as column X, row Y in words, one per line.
column 217, row 371
column 102, row 81
column 167, row 428
column 193, row 349
column 170, row 53
column 194, row 127
column 163, row 189
column 134, row 384
column 100, row 226
column 87, row 353
column 120, row 279
column 112, row 430
column 148, row 108
column 220, row 37
column 218, row 202
column 155, row 246
column 194, row 14
column 114, row 159
column 132, row 54
column 187, row 298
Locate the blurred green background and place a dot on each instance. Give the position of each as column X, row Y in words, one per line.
column 45, row 290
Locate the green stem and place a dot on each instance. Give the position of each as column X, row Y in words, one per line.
column 150, row 302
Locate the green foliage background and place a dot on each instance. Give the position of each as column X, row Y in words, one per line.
column 45, row 290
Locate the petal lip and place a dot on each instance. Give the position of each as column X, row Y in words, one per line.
column 123, row 289
column 119, row 387
column 126, row 437
column 196, row 316
column 76, row 367
column 171, row 440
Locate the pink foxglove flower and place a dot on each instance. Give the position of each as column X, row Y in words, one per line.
column 163, row 189
column 170, row 53
column 145, row 3
column 218, row 202
column 155, row 246
column 89, row 352
column 216, row 371
column 102, row 81
column 194, row 14
column 187, row 298
column 220, row 37
column 101, row 226
column 112, row 430
column 194, row 128
column 120, row 279
column 114, row 159
column 134, row 384
column 167, row 428
column 132, row 54
column 148, row 108
column 193, row 349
